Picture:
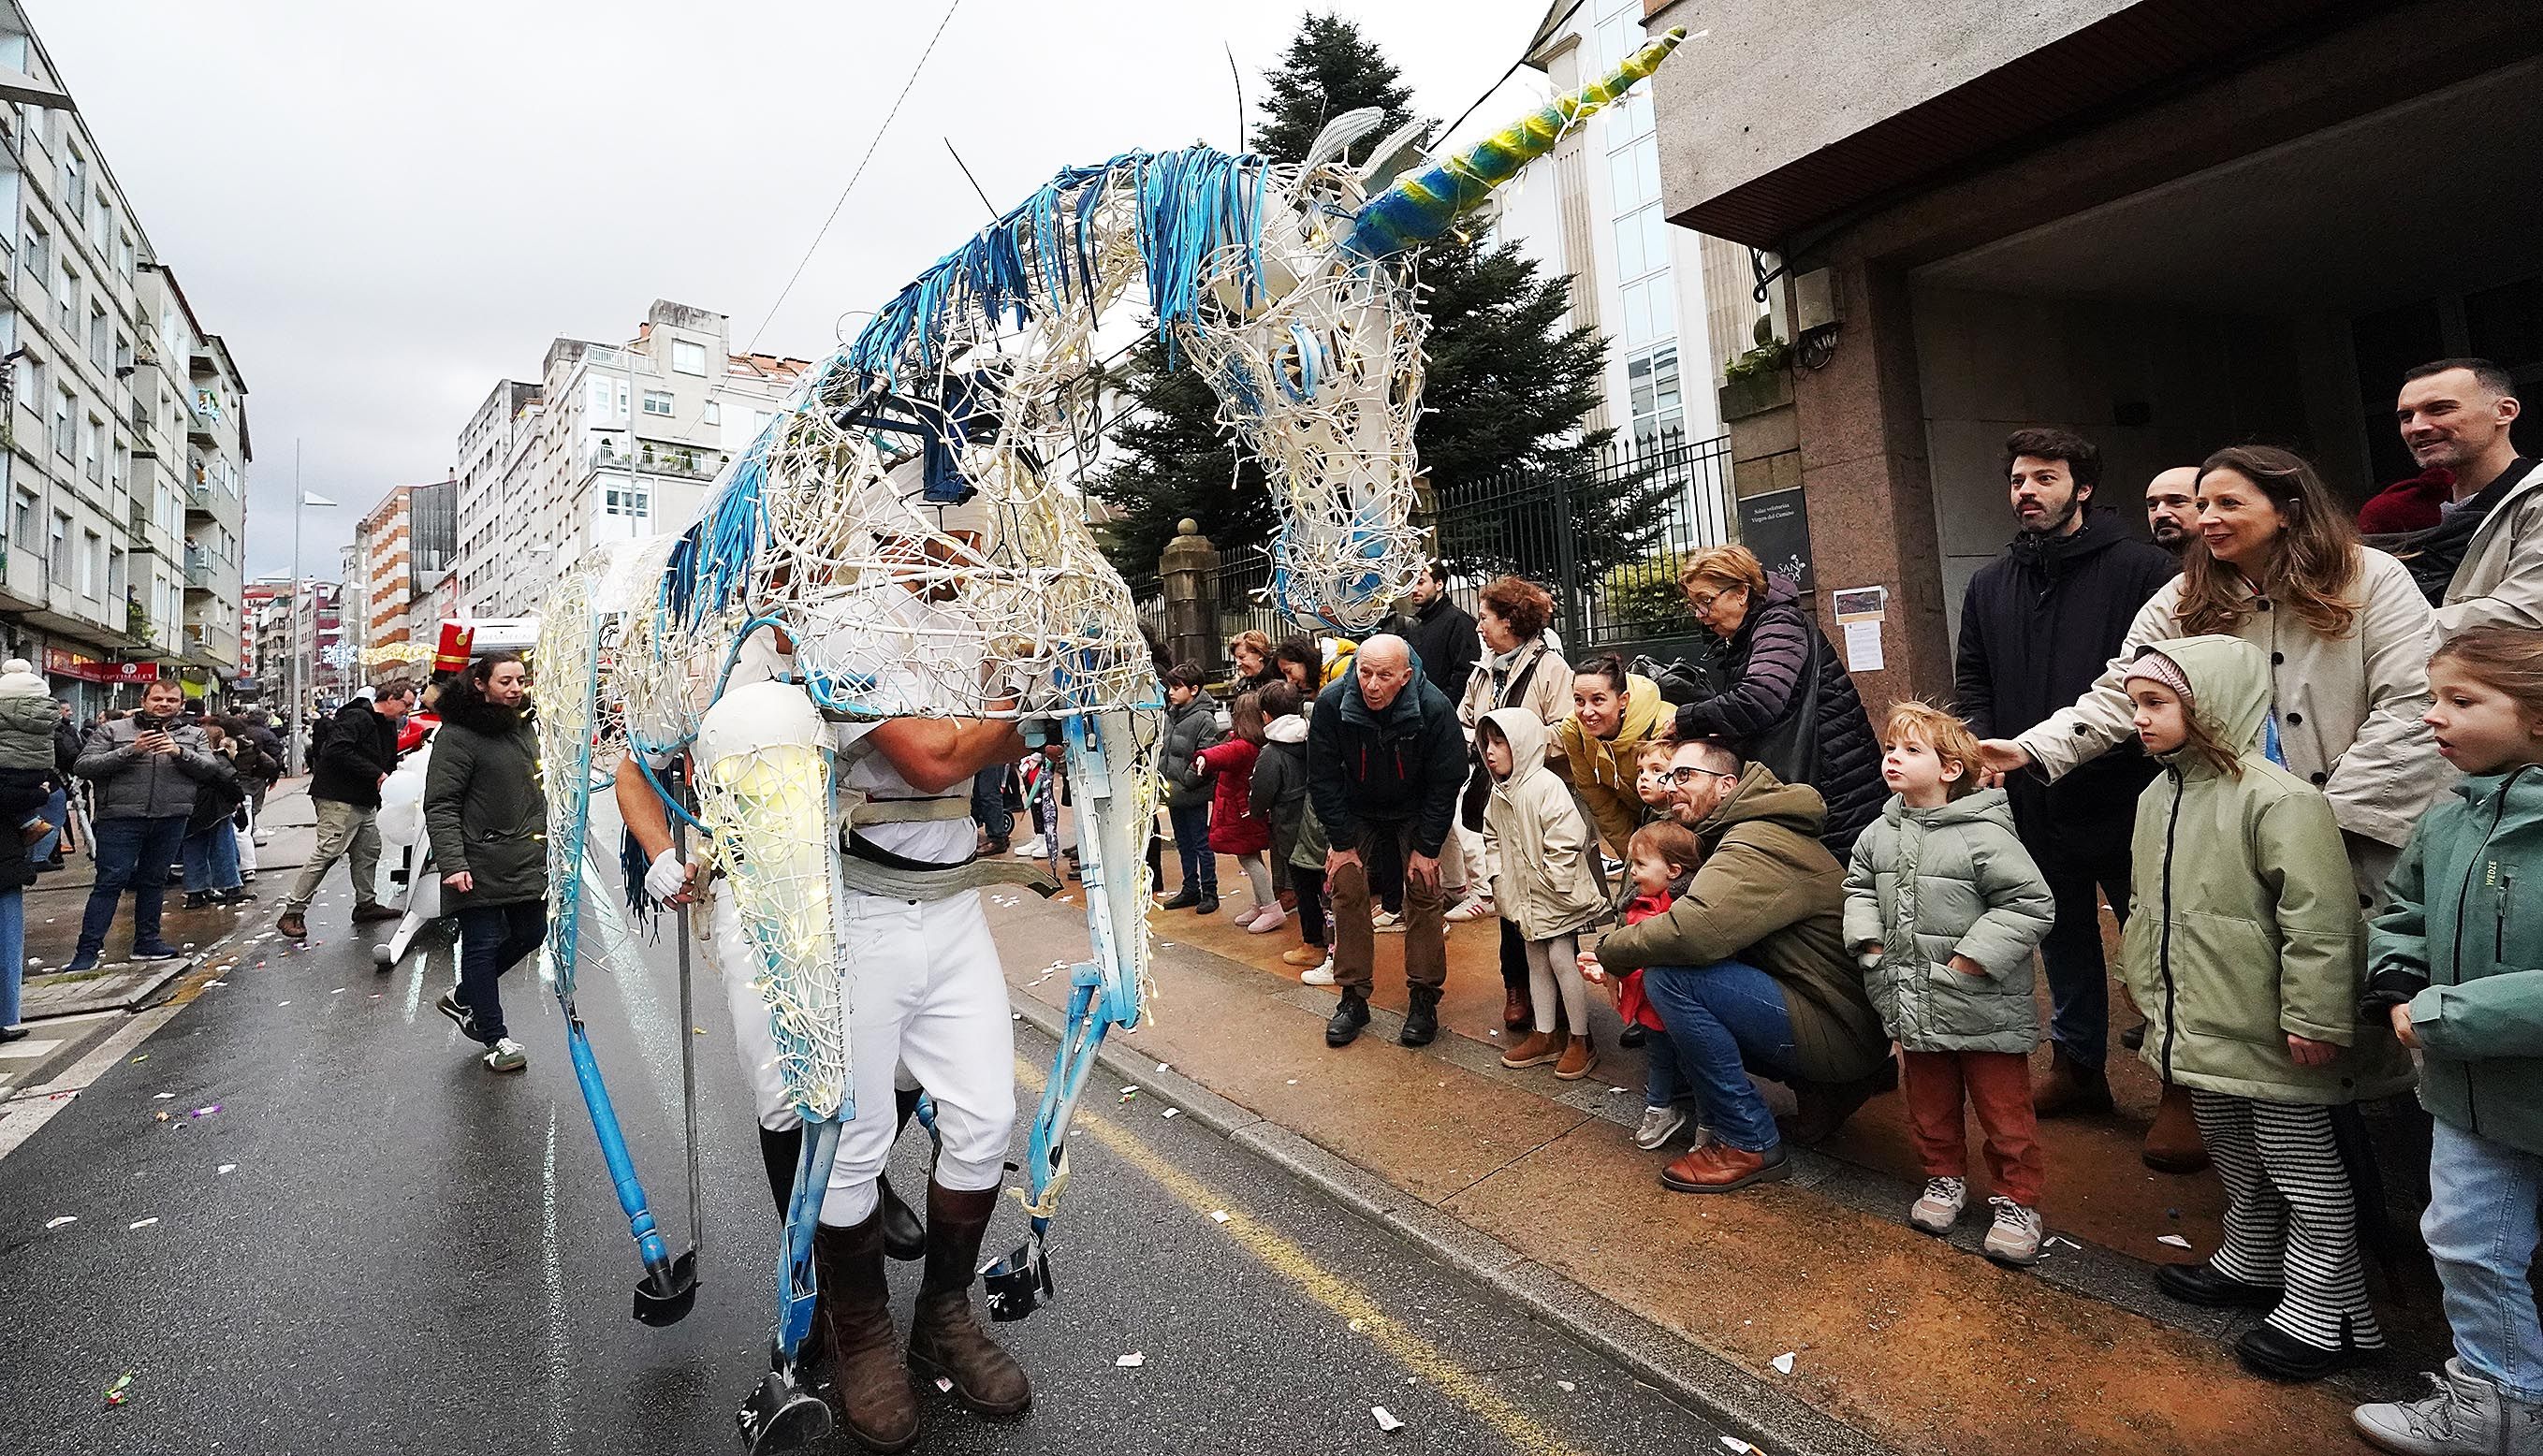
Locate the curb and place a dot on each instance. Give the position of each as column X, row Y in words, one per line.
column 1703, row 1382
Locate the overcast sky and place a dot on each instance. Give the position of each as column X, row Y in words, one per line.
column 384, row 209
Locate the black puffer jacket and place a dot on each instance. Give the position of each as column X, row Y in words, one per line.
column 485, row 804
column 1443, row 637
column 356, row 750
column 1761, row 663
column 2037, row 627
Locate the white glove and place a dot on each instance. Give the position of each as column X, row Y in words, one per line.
column 666, row 877
column 1869, row 959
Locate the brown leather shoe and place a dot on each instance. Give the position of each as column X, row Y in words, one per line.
column 1719, row 1168
column 1516, row 1014
column 873, row 1398
column 946, row 1339
column 1578, row 1056
column 375, row 911
column 2070, row 1089
column 2173, row 1144
column 292, row 926
column 1536, row 1050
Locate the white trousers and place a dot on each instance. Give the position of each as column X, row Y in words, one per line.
column 926, row 995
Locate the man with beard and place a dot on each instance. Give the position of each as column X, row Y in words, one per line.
column 2456, row 416
column 2172, row 508
column 2037, row 627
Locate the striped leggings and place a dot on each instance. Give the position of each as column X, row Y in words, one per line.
column 2290, row 1215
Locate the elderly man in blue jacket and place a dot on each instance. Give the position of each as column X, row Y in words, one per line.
column 1385, row 762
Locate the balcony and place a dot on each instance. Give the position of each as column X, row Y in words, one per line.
column 675, row 462
column 202, row 414
column 198, row 569
column 199, row 498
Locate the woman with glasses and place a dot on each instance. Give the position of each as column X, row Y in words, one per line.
column 1784, row 699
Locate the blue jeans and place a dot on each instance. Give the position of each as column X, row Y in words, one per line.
column 57, row 812
column 1725, row 1018
column 1192, row 841
column 1662, row 1084
column 2481, row 1231
column 212, row 859
column 493, row 938
column 13, row 952
column 989, row 801
column 135, row 853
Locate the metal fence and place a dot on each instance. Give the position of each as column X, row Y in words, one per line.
column 1604, row 541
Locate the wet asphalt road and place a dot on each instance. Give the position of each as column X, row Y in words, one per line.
column 409, row 1253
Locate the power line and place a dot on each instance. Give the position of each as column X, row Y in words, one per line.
column 871, row 145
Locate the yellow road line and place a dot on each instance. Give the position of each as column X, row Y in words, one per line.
column 1296, row 1264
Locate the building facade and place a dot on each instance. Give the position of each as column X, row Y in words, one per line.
column 2171, row 227
column 386, row 569
column 615, row 442
column 127, row 444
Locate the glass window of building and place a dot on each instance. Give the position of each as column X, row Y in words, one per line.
column 658, row 403
column 688, row 358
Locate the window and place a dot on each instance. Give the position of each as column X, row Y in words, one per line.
column 39, row 252
column 31, row 382
column 69, row 298
column 625, row 499
column 688, row 358
column 125, row 255
column 1659, row 405
column 74, row 183
column 105, row 233
column 600, row 398
column 22, row 523
column 60, row 558
column 100, row 339
column 65, row 443
column 92, row 562
column 658, row 403
column 93, row 449
column 116, row 586
column 713, row 414
column 121, row 470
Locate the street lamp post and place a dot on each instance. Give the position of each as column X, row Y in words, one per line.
column 299, row 592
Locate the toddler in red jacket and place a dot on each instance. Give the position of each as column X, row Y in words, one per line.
column 1660, row 860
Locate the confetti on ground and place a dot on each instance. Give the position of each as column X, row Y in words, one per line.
column 1385, row 1419
column 114, row 1391
column 1566, row 1386
column 1356, row 1324
column 207, row 985
column 339, row 991
column 1131, row 1361
column 1784, row 1363
column 944, row 1384
column 1130, row 1094
column 58, row 1222
column 1219, row 1215
column 1163, row 1067
column 2174, row 1240
column 1615, row 1088
column 159, row 1116
column 139, row 1223
column 2055, row 1240
column 1172, row 1112
column 208, row 1111
column 1293, row 1081
column 697, row 1031
column 283, row 1003
column 161, row 1095
column 226, row 1168
column 143, row 1057
column 1738, row 1445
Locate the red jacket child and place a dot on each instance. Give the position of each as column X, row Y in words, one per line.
column 1630, row 1004
column 1234, row 827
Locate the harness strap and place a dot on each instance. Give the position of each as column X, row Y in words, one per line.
column 870, row 869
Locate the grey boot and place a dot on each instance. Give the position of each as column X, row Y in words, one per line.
column 2465, row 1416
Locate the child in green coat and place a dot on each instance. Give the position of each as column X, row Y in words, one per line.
column 2245, row 950
column 2457, row 969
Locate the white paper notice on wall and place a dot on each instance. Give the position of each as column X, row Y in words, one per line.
column 1863, row 646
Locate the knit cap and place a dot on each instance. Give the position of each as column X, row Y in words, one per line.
column 2155, row 668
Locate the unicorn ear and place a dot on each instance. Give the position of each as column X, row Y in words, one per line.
column 1401, row 149
column 1339, row 133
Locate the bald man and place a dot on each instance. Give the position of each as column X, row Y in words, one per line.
column 1386, row 760
column 2172, row 507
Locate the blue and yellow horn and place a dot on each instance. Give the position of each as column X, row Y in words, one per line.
column 1420, row 207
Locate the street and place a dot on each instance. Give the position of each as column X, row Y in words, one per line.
column 354, row 1237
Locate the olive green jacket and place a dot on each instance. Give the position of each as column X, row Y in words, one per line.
column 483, row 803
column 2243, row 927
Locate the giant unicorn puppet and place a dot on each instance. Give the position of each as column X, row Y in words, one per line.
column 931, row 459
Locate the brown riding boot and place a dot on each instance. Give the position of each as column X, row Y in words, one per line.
column 2070, row 1089
column 2173, row 1144
column 1516, row 1014
column 873, row 1394
column 945, row 1337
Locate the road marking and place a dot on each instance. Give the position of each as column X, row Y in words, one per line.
column 560, row 1361
column 1336, row 1294
column 29, row 1050
column 415, row 982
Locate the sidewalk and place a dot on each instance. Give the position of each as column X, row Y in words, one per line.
column 1898, row 1341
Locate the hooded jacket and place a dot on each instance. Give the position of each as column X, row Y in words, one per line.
column 1381, row 769
column 1931, row 883
column 484, row 803
column 1538, row 840
column 2348, row 708
column 2038, row 624
column 1763, row 661
column 1769, row 894
column 1604, row 769
column 133, row 784
column 1188, row 730
column 1277, row 792
column 2242, row 925
column 1233, row 827
column 27, row 722
column 2465, row 951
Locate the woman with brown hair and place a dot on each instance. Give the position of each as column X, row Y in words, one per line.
column 1776, row 666
column 2278, row 562
column 1250, row 656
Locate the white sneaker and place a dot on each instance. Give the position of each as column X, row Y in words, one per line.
column 1386, row 922
column 1659, row 1124
column 1472, row 907
column 506, row 1056
column 1318, row 975
column 1033, row 849
column 2015, row 1239
column 1938, row 1207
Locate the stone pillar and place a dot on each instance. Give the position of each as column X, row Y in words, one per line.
column 1188, row 566
column 1864, row 476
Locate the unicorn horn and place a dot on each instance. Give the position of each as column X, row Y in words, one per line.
column 1420, row 207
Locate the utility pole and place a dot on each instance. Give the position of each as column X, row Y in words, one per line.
column 291, row 745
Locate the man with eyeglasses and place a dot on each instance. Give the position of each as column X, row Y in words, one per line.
column 1750, row 973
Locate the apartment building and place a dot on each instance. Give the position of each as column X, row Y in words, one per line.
column 386, row 569
column 618, row 441
column 2168, row 225
column 124, row 420
column 280, row 621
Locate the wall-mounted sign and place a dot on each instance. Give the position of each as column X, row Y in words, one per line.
column 62, row 662
column 1776, row 530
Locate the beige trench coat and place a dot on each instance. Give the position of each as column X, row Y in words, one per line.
column 2348, row 708
column 2501, row 581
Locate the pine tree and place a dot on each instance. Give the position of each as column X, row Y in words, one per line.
column 1506, row 387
